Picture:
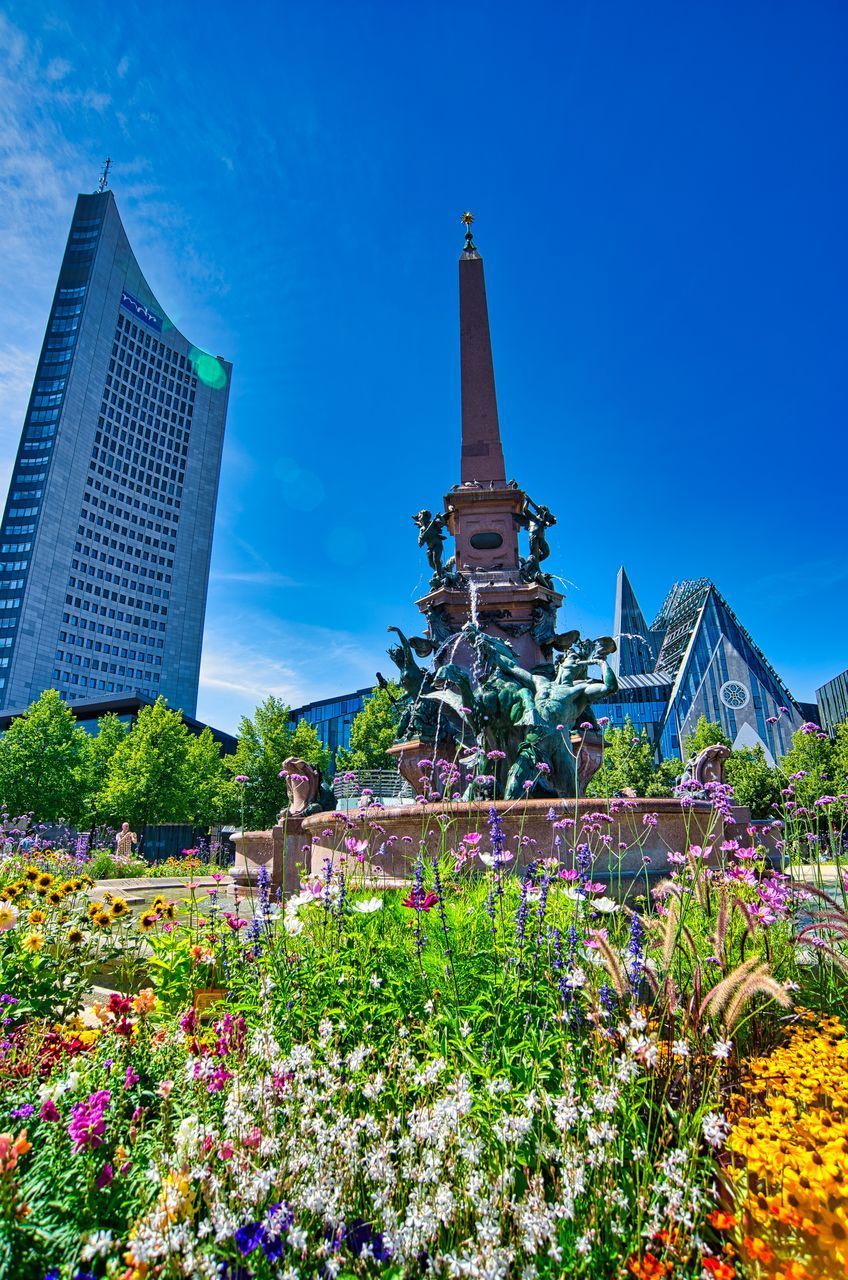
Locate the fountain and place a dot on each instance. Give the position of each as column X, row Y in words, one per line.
column 506, row 699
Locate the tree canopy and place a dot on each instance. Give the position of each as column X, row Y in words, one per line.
column 265, row 741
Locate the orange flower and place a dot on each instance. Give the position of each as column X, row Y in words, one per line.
column 11, row 1148
column 758, row 1249
column 650, row 1268
column 720, row 1220
column 717, row 1269
column 145, row 1001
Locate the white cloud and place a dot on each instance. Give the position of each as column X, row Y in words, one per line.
column 239, row 670
column 122, row 67
column 57, row 69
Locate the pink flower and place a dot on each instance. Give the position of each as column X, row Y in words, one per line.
column 49, row 1110
column 104, row 1177
column 420, row 901
column 164, row 1089
column 130, row 1078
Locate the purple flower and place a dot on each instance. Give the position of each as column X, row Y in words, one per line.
column 87, row 1126
column 242, row 777
column 49, row 1110
column 24, row 1112
column 130, row 1078
column 249, row 1237
column 809, row 728
column 104, row 1177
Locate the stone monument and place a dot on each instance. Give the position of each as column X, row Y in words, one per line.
column 501, row 677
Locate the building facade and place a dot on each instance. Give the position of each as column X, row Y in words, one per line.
column 696, row 659
column 107, row 532
column 332, row 717
column 832, row 699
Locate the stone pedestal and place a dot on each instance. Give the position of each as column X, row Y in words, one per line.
column 279, row 850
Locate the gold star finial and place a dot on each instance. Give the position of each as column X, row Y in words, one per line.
column 466, row 220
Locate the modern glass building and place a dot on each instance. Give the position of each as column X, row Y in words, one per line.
column 832, row 699
column 107, row 532
column 696, row 659
column 332, row 717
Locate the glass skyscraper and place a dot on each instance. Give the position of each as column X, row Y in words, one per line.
column 107, row 532
column 696, row 659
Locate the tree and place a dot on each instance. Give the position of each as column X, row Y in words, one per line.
column 98, row 750
column 204, row 779
column 815, row 759
column 374, row 729
column 708, row 733
column 41, row 757
column 264, row 743
column 149, row 779
column 755, row 783
column 628, row 763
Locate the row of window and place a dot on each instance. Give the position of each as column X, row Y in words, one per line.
column 104, row 646
column 92, row 682
column 99, row 664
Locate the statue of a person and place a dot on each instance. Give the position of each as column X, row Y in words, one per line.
column 537, row 519
column 417, row 714
column 431, row 534
column 124, row 841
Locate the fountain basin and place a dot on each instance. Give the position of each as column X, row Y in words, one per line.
column 648, row 830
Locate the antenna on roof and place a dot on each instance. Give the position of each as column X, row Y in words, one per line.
column 104, row 177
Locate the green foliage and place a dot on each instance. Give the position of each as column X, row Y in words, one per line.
column 41, row 762
column 817, row 758
column 708, row 733
column 97, row 757
column 264, row 743
column 159, row 773
column 628, row 763
column 374, row 729
column 755, row 783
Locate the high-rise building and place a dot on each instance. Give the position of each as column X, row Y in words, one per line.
column 696, row 659
column 107, row 533
column 832, row 699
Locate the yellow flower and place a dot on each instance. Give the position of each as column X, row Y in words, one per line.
column 55, row 897
column 148, row 921
column 103, row 919
column 119, row 907
column 31, row 874
column 75, row 937
column 36, row 917
column 34, row 941
column 44, row 880
column 94, row 908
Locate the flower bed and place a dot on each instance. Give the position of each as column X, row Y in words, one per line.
column 485, row 1074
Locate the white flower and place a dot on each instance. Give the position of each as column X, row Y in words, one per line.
column 293, row 925
column 715, row 1128
column 722, row 1048
column 606, row 905
column 374, row 981
column 680, row 1049
column 465, row 1029
column 367, row 905
column 99, row 1242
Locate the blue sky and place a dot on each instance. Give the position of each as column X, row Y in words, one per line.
column 660, row 193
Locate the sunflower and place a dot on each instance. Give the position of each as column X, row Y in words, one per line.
column 158, row 903
column 86, row 882
column 169, row 911
column 34, row 941
column 107, row 897
column 148, row 921
column 31, row 874
column 103, row 919
column 94, row 907
column 68, row 886
column 75, row 937
column 36, row 917
column 44, row 880
column 119, row 908
column 5, row 895
column 55, row 897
